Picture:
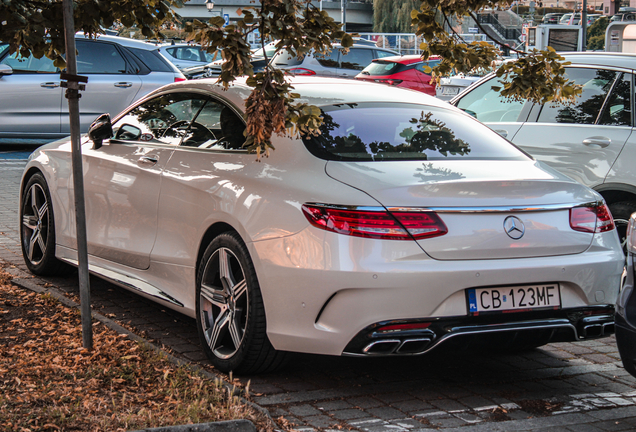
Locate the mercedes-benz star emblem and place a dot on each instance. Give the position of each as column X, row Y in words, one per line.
column 514, row 227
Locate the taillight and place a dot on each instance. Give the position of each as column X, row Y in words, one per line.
column 301, row 71
column 592, row 219
column 379, row 224
column 389, row 81
column 179, row 79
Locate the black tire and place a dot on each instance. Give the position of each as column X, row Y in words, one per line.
column 37, row 230
column 229, row 308
column 621, row 212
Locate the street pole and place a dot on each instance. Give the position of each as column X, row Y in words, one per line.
column 584, row 26
column 343, row 14
column 73, row 87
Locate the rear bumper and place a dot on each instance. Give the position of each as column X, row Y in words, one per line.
column 531, row 328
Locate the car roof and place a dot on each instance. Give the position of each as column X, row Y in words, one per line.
column 622, row 60
column 127, row 42
column 313, row 91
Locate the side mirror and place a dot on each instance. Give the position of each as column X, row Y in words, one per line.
column 5, row 70
column 100, row 130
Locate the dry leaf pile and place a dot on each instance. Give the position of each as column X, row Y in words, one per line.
column 48, row 382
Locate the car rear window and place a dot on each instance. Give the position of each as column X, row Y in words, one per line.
column 153, row 60
column 399, row 131
column 284, row 58
column 383, row 67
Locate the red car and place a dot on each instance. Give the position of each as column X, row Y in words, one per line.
column 402, row 71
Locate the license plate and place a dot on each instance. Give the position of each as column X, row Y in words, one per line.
column 450, row 90
column 513, row 298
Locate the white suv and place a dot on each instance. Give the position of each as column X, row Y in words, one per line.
column 591, row 141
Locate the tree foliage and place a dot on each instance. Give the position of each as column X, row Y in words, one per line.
column 393, row 16
column 298, row 27
column 596, row 34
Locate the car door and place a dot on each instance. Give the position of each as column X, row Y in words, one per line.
column 30, row 98
column 354, row 61
column 487, row 105
column 583, row 140
column 112, row 85
column 123, row 177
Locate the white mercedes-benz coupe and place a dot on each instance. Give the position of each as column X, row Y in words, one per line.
column 404, row 225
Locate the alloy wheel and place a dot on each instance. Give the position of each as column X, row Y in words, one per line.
column 35, row 223
column 223, row 303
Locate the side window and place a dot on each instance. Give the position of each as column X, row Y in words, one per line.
column 224, row 124
column 618, row 109
column 596, row 85
column 382, row 54
column 331, row 59
column 186, row 53
column 99, row 58
column 165, row 119
column 29, row 64
column 487, row 105
column 422, row 67
column 356, row 59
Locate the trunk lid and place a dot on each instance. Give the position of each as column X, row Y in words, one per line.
column 479, row 201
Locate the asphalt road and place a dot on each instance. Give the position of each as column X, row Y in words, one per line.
column 562, row 387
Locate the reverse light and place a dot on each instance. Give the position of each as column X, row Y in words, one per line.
column 301, row 71
column 592, row 219
column 379, row 224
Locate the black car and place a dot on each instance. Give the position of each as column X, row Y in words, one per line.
column 626, row 305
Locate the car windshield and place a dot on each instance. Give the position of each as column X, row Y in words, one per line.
column 400, row 131
column 3, row 48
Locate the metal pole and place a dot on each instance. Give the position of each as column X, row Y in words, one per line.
column 343, row 14
column 72, row 94
column 321, row 5
column 584, row 26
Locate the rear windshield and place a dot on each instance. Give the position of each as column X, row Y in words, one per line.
column 385, row 67
column 284, row 58
column 399, row 131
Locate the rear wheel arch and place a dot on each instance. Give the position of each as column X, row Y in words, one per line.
column 210, row 234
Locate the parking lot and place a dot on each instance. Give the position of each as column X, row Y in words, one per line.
column 564, row 387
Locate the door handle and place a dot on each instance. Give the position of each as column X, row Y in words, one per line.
column 49, row 84
column 597, row 141
column 147, row 160
column 123, row 84
column 502, row 132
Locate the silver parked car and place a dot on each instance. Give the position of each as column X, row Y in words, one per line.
column 187, row 55
column 591, row 141
column 335, row 64
column 119, row 71
column 405, row 225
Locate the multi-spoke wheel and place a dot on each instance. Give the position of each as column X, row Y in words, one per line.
column 230, row 313
column 37, row 229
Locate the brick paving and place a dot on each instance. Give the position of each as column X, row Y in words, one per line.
column 564, row 387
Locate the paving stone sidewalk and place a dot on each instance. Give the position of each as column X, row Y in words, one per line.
column 562, row 387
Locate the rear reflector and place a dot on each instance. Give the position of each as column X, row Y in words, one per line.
column 179, row 79
column 592, row 219
column 376, row 224
column 411, row 326
column 389, row 81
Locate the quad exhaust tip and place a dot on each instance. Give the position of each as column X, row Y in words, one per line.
column 396, row 346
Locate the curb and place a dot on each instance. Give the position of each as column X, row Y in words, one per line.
column 222, row 426
column 229, row 426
